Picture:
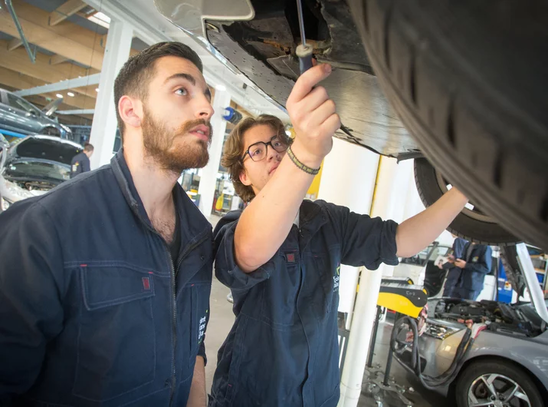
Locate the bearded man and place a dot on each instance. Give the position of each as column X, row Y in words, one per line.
column 105, row 281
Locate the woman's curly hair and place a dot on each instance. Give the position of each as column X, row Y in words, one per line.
column 234, row 150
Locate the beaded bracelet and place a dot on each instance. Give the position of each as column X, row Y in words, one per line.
column 300, row 165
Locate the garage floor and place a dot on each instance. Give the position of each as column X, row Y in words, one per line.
column 221, row 321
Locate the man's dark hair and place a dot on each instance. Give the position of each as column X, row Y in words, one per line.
column 135, row 75
column 88, row 147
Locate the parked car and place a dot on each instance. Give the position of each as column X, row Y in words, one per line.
column 467, row 81
column 482, row 353
column 33, row 166
column 505, row 365
column 19, row 118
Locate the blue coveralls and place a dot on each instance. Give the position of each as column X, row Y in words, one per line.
column 283, row 348
column 79, row 164
column 94, row 310
column 453, row 272
column 468, row 282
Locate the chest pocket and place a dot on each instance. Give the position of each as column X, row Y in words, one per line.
column 277, row 295
column 116, row 335
column 322, row 280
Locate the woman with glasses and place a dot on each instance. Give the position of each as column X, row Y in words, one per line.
column 282, row 256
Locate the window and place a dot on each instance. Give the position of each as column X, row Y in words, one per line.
column 22, row 104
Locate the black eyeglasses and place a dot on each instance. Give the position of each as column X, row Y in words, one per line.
column 257, row 151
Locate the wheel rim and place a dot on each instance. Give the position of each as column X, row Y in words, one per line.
column 470, row 210
column 496, row 390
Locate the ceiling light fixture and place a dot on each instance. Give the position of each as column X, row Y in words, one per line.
column 101, row 19
column 70, row 94
column 59, row 96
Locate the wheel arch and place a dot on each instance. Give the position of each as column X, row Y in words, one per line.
column 488, row 358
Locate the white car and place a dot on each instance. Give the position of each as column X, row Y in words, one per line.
column 32, row 166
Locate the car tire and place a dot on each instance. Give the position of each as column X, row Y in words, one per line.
column 469, row 382
column 471, row 223
column 469, row 81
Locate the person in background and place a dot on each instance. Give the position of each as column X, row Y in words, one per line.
column 453, row 272
column 468, row 266
column 80, row 162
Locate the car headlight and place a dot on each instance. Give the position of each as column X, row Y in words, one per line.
column 5, row 204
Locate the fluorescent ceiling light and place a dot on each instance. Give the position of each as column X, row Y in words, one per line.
column 59, row 95
column 101, row 19
column 70, row 94
column 96, row 89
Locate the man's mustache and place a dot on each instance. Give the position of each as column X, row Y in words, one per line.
column 186, row 127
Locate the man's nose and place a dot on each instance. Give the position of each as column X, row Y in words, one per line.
column 204, row 109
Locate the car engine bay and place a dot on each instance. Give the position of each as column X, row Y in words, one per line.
column 519, row 319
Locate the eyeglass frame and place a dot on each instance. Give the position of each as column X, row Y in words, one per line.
column 266, row 144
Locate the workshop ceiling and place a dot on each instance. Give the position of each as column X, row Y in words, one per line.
column 69, row 38
column 67, row 44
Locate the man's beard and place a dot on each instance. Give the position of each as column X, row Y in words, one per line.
column 171, row 154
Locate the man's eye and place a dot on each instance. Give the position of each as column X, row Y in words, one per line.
column 181, row 91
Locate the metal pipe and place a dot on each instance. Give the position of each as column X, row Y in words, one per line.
column 32, row 55
column 360, row 334
column 374, row 338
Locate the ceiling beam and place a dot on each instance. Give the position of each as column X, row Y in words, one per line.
column 65, row 10
column 87, row 90
column 57, row 59
column 141, row 28
column 45, row 37
column 67, row 39
column 76, row 112
column 14, row 44
column 63, row 85
column 39, row 17
column 76, row 102
column 18, row 61
column 14, row 80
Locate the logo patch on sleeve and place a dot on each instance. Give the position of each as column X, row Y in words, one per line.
column 337, row 278
column 202, row 327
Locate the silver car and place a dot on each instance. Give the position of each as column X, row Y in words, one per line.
column 20, row 118
column 485, row 353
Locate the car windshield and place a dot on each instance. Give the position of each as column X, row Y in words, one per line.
column 37, row 169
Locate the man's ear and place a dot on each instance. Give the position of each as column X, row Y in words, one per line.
column 244, row 179
column 131, row 111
